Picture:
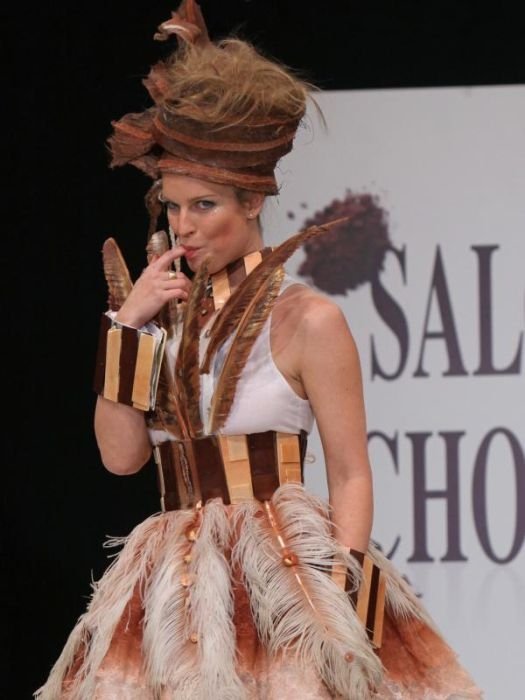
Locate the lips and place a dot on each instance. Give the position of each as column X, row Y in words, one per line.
column 190, row 252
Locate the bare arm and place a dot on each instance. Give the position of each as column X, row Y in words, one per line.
column 120, row 430
column 331, row 375
column 121, row 436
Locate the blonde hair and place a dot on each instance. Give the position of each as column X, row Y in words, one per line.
column 230, row 82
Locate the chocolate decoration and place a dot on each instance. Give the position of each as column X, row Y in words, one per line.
column 100, row 364
column 263, row 464
column 205, row 469
column 128, row 361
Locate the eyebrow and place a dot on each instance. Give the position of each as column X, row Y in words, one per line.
column 165, row 200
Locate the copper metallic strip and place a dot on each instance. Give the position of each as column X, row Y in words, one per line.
column 235, row 457
column 221, row 288
column 263, row 464
column 284, row 552
column 251, row 261
column 98, row 380
column 141, row 393
column 111, row 376
column 288, row 458
column 242, row 146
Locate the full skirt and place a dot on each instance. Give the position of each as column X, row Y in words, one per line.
column 201, row 604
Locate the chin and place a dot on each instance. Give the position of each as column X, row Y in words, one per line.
column 213, row 265
column 193, row 265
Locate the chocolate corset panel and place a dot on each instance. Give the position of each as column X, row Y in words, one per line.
column 234, row 468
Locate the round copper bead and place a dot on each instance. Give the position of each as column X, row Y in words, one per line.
column 349, row 657
column 194, row 638
column 191, row 534
column 290, row 559
column 187, row 558
column 185, row 580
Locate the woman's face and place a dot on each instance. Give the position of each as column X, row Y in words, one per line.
column 209, row 220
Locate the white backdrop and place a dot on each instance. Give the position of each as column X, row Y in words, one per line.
column 447, row 167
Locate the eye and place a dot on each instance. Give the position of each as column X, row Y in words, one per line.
column 170, row 206
column 205, row 204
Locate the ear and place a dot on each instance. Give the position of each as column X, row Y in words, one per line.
column 253, row 203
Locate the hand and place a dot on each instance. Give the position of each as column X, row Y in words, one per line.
column 157, row 285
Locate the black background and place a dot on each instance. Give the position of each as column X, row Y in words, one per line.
column 70, row 69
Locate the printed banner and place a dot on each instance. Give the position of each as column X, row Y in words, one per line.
column 430, row 273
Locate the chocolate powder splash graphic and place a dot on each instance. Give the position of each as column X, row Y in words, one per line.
column 351, row 253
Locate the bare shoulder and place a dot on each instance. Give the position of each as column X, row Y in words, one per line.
column 309, row 325
column 311, row 341
column 317, row 313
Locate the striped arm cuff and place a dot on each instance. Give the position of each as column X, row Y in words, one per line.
column 128, row 363
column 369, row 598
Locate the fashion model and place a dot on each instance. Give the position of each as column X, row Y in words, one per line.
column 245, row 585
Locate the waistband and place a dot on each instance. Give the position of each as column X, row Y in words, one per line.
column 232, row 467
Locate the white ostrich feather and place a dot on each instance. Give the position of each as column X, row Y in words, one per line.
column 210, row 614
column 168, row 652
column 300, row 609
column 95, row 628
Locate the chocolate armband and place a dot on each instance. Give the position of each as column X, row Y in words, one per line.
column 128, row 363
column 369, row 597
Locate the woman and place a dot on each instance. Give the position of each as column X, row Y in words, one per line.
column 245, row 586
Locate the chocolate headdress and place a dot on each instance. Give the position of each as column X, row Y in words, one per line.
column 222, row 111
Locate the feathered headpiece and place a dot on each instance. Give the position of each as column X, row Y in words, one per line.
column 222, row 111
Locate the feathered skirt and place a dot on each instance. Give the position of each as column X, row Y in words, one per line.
column 199, row 605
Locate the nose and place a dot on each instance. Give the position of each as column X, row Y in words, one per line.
column 183, row 223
